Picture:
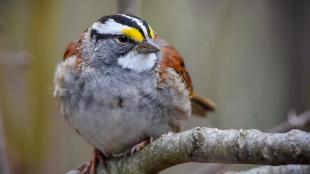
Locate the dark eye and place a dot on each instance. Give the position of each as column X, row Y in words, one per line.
column 122, row 39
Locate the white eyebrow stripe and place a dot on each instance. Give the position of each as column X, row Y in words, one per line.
column 109, row 27
column 139, row 22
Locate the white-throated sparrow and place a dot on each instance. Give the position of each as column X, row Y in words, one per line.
column 119, row 85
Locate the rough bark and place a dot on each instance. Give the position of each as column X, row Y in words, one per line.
column 211, row 145
column 287, row 169
column 294, row 121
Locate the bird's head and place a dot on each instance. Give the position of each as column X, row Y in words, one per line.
column 123, row 40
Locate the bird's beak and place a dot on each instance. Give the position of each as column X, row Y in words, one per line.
column 147, row 46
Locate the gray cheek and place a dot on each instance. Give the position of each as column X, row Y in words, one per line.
column 104, row 53
column 108, row 51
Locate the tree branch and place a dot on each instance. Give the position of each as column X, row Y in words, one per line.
column 294, row 121
column 213, row 145
column 287, row 169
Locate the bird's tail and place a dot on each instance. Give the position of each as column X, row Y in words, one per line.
column 201, row 105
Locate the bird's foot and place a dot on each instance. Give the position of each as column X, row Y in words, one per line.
column 84, row 169
column 90, row 167
column 141, row 145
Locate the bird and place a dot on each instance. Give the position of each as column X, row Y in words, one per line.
column 119, row 85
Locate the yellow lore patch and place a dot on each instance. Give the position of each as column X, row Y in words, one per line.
column 152, row 32
column 133, row 34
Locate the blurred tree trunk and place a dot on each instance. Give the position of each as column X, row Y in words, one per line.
column 42, row 30
column 129, row 7
column 27, row 120
column 300, row 56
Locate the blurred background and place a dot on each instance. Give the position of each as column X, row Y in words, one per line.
column 251, row 57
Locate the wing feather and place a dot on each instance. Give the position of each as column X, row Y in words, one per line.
column 171, row 58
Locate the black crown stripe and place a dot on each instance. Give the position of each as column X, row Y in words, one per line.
column 146, row 25
column 122, row 20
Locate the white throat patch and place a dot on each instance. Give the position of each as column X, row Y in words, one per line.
column 138, row 62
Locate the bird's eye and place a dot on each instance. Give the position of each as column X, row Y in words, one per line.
column 122, row 39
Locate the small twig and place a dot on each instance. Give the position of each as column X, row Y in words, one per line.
column 212, row 168
column 301, row 122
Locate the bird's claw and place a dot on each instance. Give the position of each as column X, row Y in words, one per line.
column 141, row 145
column 90, row 167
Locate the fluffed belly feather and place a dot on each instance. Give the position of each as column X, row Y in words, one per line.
column 114, row 113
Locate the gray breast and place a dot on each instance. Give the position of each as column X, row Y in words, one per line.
column 114, row 109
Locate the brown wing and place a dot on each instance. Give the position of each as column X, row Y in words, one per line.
column 171, row 58
column 73, row 48
column 201, row 105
